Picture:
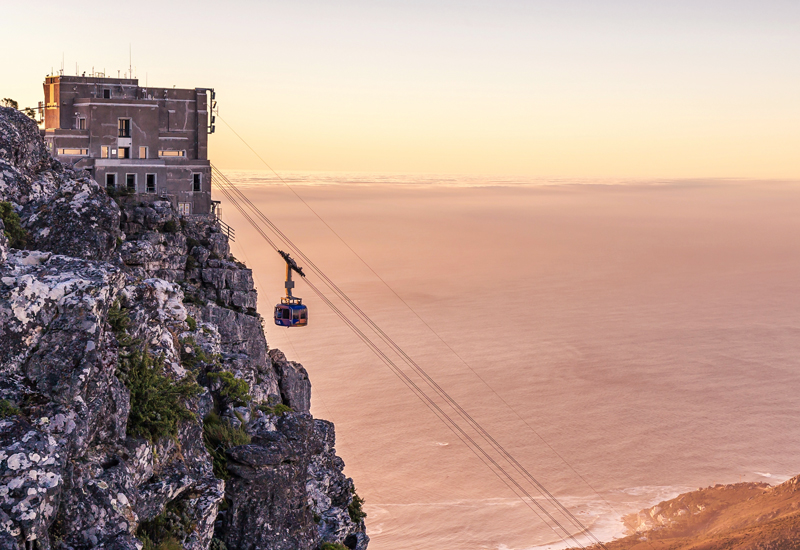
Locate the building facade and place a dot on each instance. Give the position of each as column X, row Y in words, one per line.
column 145, row 140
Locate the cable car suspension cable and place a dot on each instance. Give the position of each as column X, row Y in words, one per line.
column 461, row 359
column 233, row 190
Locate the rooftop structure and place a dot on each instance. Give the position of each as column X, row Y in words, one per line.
column 142, row 139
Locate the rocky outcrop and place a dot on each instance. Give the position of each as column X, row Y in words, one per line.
column 291, row 460
column 139, row 400
column 745, row 516
column 64, row 211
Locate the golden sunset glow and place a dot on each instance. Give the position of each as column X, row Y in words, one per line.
column 612, row 89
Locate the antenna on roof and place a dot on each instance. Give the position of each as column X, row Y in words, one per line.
column 130, row 61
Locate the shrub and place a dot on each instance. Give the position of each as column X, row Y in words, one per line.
column 234, row 390
column 333, row 546
column 118, row 318
column 17, row 236
column 217, row 544
column 219, row 436
column 354, row 508
column 192, row 298
column 192, row 323
column 170, row 227
column 7, row 408
column 165, row 531
column 191, row 262
column 191, row 352
column 280, row 409
column 157, row 401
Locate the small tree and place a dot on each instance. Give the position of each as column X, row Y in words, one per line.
column 8, row 102
column 30, row 112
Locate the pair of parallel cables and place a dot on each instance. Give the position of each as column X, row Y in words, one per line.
column 474, row 436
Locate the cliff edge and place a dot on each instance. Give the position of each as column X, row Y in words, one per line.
column 140, row 405
column 739, row 516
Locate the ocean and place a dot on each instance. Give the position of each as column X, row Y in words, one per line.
column 625, row 340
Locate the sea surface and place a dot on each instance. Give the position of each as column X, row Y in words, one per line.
column 624, row 340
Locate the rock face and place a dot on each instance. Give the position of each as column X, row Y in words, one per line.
column 108, row 297
column 744, row 516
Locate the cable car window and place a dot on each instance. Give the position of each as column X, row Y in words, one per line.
column 287, row 314
column 303, row 314
column 277, row 313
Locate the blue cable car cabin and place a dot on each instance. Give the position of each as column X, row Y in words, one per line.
column 291, row 314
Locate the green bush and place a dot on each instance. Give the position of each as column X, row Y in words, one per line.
column 118, row 318
column 157, row 401
column 217, row 544
column 333, row 546
column 234, row 390
column 354, row 508
column 192, row 323
column 192, row 298
column 219, row 436
column 165, row 531
column 17, row 236
column 192, row 353
column 7, row 408
column 280, row 409
column 170, row 227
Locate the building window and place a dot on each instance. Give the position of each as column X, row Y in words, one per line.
column 196, row 182
column 73, row 152
column 151, row 183
column 184, row 208
column 142, row 152
column 104, row 151
column 124, row 153
column 164, row 153
column 130, row 182
column 124, row 127
column 111, row 181
column 81, row 124
column 106, row 94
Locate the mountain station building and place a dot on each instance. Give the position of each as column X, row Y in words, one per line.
column 147, row 140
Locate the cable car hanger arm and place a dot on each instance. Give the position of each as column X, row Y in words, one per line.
column 291, row 263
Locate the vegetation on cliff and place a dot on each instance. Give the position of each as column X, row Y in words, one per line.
column 16, row 234
column 158, row 403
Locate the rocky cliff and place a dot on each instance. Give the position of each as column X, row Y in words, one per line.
column 741, row 516
column 140, row 405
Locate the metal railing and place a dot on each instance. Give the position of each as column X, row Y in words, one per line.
column 226, row 230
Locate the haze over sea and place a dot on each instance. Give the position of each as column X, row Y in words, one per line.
column 649, row 331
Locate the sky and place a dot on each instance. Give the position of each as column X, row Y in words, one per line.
column 572, row 88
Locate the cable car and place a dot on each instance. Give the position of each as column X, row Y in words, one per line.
column 291, row 312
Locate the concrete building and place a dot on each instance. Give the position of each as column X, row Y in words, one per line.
column 147, row 140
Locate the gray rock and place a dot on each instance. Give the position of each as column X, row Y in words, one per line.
column 293, row 382
column 287, row 489
column 3, row 244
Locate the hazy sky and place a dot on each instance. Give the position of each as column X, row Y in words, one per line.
column 568, row 88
